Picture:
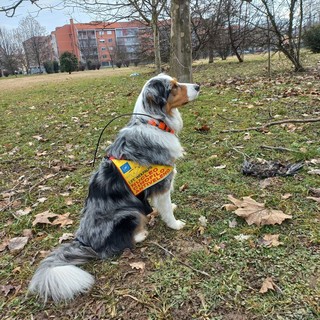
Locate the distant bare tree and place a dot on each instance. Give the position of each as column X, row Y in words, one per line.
column 8, row 51
column 36, row 44
column 239, row 25
column 221, row 26
column 286, row 19
column 207, row 21
column 20, row 52
column 149, row 11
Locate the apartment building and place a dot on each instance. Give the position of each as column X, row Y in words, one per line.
column 38, row 49
column 98, row 41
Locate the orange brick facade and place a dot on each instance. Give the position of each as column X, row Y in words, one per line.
column 97, row 41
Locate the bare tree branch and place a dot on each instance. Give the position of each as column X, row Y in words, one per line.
column 269, row 124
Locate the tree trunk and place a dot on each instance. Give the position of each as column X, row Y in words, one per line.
column 210, row 55
column 156, row 44
column 235, row 51
column 210, row 48
column 294, row 59
column 180, row 46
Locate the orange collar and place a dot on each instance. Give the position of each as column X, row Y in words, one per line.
column 161, row 125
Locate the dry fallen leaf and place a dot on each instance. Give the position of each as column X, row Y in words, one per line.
column 68, row 201
column 315, row 192
column 127, row 254
column 65, row 194
column 41, row 154
column 201, row 230
column 44, row 253
column 242, row 237
column 39, row 138
column 265, row 183
column 203, row 221
column 229, row 207
column 314, row 199
column 222, row 166
column 314, row 171
column 63, row 220
column 203, row 128
column 27, row 233
column 267, row 284
column 66, row 237
column 48, row 176
column 314, row 161
column 42, row 200
column 286, row 196
column 152, row 218
column 15, row 245
column 16, row 270
column 270, row 240
column 138, row 265
column 8, row 288
column 216, row 248
column 247, row 136
column 22, row 212
column 233, row 223
column 256, row 213
column 184, row 187
column 44, row 217
column 4, row 244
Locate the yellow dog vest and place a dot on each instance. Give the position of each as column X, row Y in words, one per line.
column 138, row 177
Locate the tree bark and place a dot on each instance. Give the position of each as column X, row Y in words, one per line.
column 156, row 42
column 210, row 55
column 180, row 47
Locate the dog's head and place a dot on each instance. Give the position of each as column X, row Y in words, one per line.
column 162, row 94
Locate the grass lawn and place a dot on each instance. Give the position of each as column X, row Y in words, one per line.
column 49, row 128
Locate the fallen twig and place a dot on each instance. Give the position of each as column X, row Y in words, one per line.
column 139, row 301
column 183, row 263
column 274, row 123
column 7, row 206
column 278, row 148
column 224, row 118
column 42, row 180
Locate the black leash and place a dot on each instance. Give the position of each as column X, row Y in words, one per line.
column 106, row 126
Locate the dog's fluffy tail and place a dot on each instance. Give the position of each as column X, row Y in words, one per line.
column 58, row 277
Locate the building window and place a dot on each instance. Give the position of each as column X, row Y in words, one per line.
column 101, row 33
column 103, row 48
column 109, row 32
column 119, row 33
column 111, row 48
column 104, row 56
column 109, row 40
column 101, row 40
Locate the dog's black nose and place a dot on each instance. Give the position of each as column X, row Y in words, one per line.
column 197, row 87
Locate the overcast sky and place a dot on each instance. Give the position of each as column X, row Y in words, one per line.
column 50, row 19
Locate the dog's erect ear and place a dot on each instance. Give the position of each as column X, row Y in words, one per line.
column 156, row 93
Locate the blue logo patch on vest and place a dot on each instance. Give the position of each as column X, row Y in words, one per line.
column 125, row 167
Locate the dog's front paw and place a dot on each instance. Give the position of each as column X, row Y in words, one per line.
column 174, row 206
column 177, row 225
